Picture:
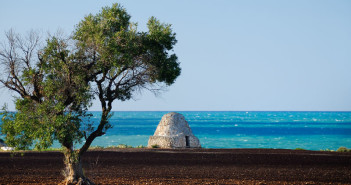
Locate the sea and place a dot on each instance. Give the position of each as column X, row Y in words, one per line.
column 236, row 129
column 227, row 129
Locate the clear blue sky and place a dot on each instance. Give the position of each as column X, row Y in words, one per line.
column 235, row 55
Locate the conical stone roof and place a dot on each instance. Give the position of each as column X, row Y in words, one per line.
column 173, row 131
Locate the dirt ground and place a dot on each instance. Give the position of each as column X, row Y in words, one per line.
column 184, row 166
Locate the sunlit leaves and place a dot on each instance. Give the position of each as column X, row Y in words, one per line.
column 161, row 33
column 128, row 59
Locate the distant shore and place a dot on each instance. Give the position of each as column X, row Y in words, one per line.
column 184, row 166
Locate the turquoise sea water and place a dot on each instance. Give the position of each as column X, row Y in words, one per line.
column 288, row 130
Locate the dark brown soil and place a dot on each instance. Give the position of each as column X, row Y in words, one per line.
column 187, row 166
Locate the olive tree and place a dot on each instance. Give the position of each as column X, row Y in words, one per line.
column 106, row 58
column 54, row 94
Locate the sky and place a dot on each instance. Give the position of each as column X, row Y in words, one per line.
column 244, row 55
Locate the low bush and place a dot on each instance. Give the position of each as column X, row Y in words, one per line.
column 155, row 146
column 328, row 150
column 343, row 149
column 48, row 149
column 124, row 146
column 96, row 147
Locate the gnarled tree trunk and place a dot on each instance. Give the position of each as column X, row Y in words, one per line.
column 73, row 171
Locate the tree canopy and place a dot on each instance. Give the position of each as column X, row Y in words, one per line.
column 105, row 58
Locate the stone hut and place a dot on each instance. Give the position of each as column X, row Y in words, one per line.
column 173, row 131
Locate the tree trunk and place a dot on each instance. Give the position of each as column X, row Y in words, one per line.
column 74, row 171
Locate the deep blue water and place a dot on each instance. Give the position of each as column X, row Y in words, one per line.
column 288, row 130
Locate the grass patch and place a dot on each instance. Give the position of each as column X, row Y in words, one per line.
column 48, row 149
column 299, row 149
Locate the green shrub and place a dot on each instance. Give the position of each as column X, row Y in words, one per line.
column 124, row 146
column 328, row 150
column 121, row 146
column 96, row 147
column 299, row 149
column 343, row 149
column 155, row 146
column 140, row 146
column 111, row 147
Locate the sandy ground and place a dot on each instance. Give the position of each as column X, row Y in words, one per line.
column 184, row 166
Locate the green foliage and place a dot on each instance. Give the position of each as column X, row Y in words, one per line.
column 115, row 147
column 127, row 59
column 124, row 146
column 343, row 149
column 60, row 98
column 328, row 150
column 96, row 147
column 155, row 146
column 38, row 125
column 299, row 149
column 140, row 146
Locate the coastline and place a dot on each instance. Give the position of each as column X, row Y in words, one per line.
column 184, row 166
